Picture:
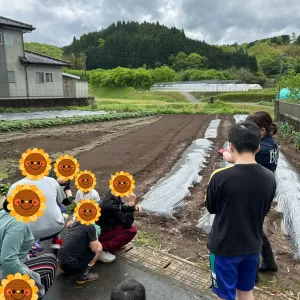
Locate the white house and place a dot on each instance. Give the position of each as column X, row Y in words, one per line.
column 26, row 74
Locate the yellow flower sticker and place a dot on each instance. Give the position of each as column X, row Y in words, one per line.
column 18, row 287
column 35, row 164
column 66, row 167
column 87, row 212
column 85, row 181
column 26, row 203
column 122, row 184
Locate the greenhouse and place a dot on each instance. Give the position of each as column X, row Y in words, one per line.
column 204, row 87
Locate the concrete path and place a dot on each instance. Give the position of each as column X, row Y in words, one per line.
column 190, row 97
column 165, row 277
column 110, row 275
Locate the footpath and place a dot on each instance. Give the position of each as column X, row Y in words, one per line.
column 165, row 277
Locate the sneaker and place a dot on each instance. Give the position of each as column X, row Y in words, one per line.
column 106, row 257
column 87, row 276
column 56, row 243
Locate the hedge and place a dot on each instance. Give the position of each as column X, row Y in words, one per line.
column 246, row 97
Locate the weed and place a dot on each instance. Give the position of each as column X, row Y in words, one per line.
column 287, row 132
column 146, row 239
column 4, row 188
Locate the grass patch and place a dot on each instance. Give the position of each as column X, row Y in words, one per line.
column 146, row 239
column 132, row 94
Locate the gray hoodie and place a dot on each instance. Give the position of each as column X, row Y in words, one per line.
column 52, row 221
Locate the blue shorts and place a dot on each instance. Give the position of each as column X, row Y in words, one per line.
column 232, row 273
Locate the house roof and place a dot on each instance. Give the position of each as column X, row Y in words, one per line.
column 70, row 75
column 40, row 59
column 15, row 24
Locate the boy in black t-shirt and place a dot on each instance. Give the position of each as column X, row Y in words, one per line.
column 80, row 252
column 240, row 202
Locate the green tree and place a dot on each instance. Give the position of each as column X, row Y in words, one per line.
column 163, row 74
column 291, row 81
column 196, row 61
column 143, row 79
column 293, row 37
column 180, row 62
column 101, row 43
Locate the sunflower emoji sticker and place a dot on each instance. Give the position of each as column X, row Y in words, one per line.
column 18, row 287
column 87, row 212
column 35, row 164
column 85, row 181
column 26, row 203
column 66, row 167
column 122, row 184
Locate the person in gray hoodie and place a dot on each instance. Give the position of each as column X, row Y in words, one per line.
column 52, row 222
column 16, row 240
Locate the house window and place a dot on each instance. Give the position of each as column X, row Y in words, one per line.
column 11, row 77
column 7, row 39
column 40, row 77
column 49, row 77
column 1, row 38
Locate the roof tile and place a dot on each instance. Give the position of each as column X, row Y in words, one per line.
column 39, row 59
column 15, row 24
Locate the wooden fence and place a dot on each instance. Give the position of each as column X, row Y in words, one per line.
column 288, row 112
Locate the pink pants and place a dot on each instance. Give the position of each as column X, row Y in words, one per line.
column 119, row 236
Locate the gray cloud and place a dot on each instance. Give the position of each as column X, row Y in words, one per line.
column 215, row 21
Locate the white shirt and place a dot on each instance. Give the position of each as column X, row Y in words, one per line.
column 92, row 195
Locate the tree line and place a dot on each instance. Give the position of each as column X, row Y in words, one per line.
column 143, row 79
column 132, row 45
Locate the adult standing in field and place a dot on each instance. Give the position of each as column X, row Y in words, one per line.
column 240, row 202
column 267, row 156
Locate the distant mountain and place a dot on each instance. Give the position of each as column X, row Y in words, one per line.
column 133, row 45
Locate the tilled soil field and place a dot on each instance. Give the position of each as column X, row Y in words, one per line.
column 148, row 148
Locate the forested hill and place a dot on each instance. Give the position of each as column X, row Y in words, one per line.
column 45, row 49
column 133, row 45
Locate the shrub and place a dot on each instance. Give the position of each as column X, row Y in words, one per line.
column 246, row 97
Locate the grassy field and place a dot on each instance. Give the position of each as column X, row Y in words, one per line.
column 130, row 100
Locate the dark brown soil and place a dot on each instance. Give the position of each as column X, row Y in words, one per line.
column 290, row 152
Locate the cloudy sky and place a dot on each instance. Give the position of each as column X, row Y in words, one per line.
column 215, row 21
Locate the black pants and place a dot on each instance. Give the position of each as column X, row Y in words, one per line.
column 75, row 267
column 266, row 242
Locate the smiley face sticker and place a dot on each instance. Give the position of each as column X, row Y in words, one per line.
column 26, row 203
column 87, row 212
column 85, row 181
column 18, row 287
column 66, row 167
column 121, row 184
column 35, row 164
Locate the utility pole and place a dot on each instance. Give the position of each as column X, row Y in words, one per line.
column 282, row 59
column 84, row 55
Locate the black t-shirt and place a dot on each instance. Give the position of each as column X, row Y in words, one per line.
column 240, row 196
column 268, row 153
column 77, row 243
